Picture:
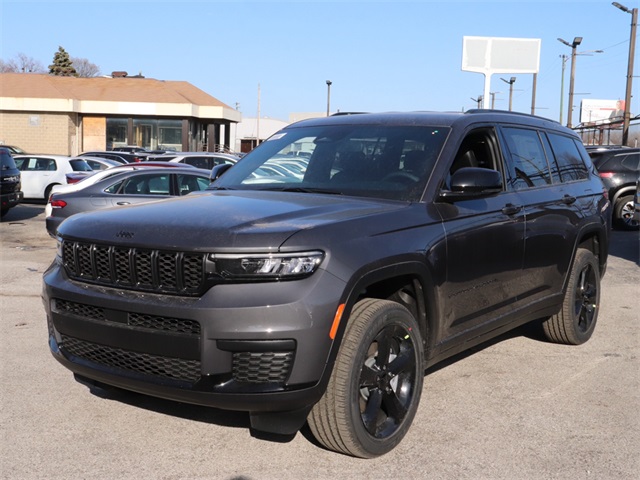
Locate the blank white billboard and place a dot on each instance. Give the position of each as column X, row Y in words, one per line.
column 490, row 55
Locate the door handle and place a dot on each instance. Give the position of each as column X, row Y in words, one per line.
column 568, row 199
column 511, row 209
column 123, row 203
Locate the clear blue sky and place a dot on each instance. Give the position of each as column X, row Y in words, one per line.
column 380, row 55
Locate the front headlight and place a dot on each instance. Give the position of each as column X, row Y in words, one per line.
column 256, row 267
column 59, row 250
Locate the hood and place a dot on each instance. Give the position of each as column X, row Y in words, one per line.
column 224, row 220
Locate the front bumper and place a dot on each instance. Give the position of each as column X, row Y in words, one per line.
column 261, row 347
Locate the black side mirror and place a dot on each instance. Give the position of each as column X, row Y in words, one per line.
column 218, row 170
column 473, row 182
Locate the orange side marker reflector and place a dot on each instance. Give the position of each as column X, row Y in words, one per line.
column 336, row 322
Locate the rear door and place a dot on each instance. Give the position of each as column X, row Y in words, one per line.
column 549, row 173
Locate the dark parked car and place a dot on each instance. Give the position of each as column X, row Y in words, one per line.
column 620, row 171
column 197, row 159
column 130, row 149
column 100, row 163
column 127, row 187
column 122, row 157
column 323, row 298
column 13, row 149
column 10, row 185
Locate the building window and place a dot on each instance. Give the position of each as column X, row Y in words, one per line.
column 116, row 132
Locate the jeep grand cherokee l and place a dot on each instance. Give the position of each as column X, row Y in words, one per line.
column 322, row 299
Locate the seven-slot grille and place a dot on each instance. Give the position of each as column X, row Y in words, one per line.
column 135, row 268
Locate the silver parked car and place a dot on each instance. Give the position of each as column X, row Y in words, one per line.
column 127, row 187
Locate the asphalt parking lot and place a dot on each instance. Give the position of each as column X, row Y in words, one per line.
column 515, row 408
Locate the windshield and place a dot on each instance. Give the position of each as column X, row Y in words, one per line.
column 390, row 162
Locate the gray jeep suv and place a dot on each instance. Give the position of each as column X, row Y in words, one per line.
column 323, row 297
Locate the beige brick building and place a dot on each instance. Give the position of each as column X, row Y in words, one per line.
column 67, row 115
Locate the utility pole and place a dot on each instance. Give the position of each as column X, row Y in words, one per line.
column 564, row 63
column 328, row 96
column 632, row 48
column 493, row 99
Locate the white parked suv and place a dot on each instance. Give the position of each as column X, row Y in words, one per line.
column 41, row 172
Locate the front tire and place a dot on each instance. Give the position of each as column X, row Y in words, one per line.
column 575, row 322
column 375, row 387
column 623, row 214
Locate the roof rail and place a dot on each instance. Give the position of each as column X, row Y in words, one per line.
column 337, row 114
column 489, row 110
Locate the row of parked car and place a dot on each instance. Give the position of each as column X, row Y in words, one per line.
column 44, row 175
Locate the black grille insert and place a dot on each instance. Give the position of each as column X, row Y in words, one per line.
column 140, row 320
column 143, row 363
column 140, row 269
column 262, row 367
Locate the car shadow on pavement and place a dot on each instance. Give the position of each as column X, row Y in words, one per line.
column 22, row 212
column 186, row 411
column 626, row 245
column 197, row 413
column 532, row 331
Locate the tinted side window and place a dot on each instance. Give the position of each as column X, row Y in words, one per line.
column 567, row 158
column 191, row 183
column 528, row 165
column 151, row 184
column 632, row 162
column 198, row 162
column 79, row 166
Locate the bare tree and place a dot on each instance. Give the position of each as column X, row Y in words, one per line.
column 85, row 68
column 21, row 64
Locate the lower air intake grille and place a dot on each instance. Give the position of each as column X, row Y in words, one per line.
column 262, row 367
column 166, row 367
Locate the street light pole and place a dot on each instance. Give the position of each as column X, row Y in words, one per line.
column 511, row 81
column 478, row 100
column 576, row 41
column 328, row 96
column 632, row 48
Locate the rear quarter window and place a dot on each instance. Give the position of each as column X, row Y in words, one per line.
column 631, row 162
column 566, row 161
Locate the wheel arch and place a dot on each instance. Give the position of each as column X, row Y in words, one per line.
column 48, row 188
column 623, row 191
column 595, row 239
column 408, row 283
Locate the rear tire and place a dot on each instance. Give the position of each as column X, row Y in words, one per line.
column 375, row 387
column 575, row 322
